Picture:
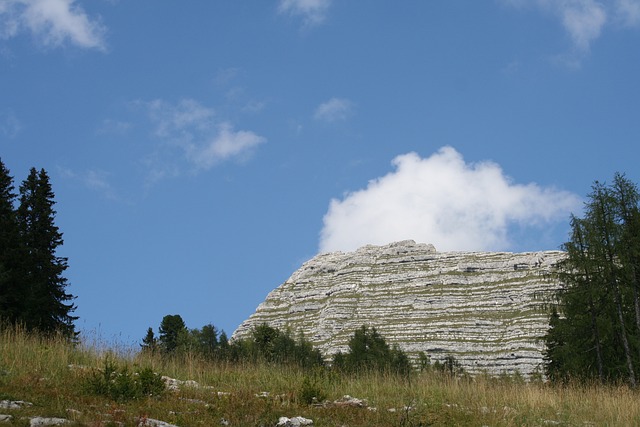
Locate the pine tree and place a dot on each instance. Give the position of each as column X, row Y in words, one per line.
column 149, row 342
column 9, row 249
column 172, row 332
column 47, row 307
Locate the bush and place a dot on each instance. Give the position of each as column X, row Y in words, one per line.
column 369, row 351
column 121, row 385
column 312, row 390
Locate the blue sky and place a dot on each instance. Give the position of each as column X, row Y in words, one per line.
column 201, row 152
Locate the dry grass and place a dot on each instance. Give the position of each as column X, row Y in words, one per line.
column 38, row 370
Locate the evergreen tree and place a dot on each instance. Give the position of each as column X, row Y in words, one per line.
column 10, row 297
column 208, row 340
column 172, row 332
column 595, row 330
column 369, row 351
column 149, row 342
column 47, row 307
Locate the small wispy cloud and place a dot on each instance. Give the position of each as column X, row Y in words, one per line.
column 313, row 12
column 51, row 22
column 195, row 130
column 442, row 200
column 585, row 20
column 333, row 110
column 224, row 145
column 93, row 179
column 10, row 126
column 117, row 127
column 627, row 12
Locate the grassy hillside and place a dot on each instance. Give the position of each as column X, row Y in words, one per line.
column 63, row 381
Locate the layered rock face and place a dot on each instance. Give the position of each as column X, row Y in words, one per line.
column 484, row 308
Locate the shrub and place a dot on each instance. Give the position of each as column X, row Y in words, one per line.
column 121, row 385
column 312, row 390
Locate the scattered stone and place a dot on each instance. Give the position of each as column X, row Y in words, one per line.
column 223, row 394
column 5, row 418
column 173, row 384
column 14, row 404
column 294, row 422
column 224, row 422
column 263, row 394
column 347, row 400
column 150, row 422
column 40, row 421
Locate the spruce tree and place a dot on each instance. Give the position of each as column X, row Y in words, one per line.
column 47, row 306
column 149, row 342
column 9, row 249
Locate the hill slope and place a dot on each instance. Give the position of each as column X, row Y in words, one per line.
column 484, row 308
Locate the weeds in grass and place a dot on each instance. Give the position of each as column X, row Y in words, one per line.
column 37, row 370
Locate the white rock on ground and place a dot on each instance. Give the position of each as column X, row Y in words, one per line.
column 294, row 422
column 41, row 421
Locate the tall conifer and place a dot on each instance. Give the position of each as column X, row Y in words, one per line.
column 48, row 306
column 9, row 246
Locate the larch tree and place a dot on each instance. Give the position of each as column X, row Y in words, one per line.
column 595, row 329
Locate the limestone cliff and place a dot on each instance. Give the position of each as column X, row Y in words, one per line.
column 484, row 308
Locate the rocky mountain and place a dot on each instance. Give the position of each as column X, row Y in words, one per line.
column 484, row 308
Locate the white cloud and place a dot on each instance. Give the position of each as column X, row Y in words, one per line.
column 313, row 12
column 333, row 110
column 444, row 201
column 226, row 144
column 185, row 118
column 53, row 22
column 585, row 20
column 193, row 128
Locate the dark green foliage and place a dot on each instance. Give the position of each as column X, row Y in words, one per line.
column 207, row 339
column 274, row 346
column 149, row 342
column 368, row 351
column 424, row 361
column 173, row 333
column 121, row 385
column 266, row 344
column 9, row 249
column 595, row 325
column 312, row 389
column 449, row 366
column 32, row 285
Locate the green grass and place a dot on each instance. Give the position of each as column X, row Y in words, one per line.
column 53, row 375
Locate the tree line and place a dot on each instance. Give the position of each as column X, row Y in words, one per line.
column 367, row 348
column 32, row 285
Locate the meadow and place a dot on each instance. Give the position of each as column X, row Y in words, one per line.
column 69, row 381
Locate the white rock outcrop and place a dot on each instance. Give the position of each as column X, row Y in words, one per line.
column 484, row 308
